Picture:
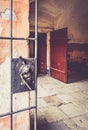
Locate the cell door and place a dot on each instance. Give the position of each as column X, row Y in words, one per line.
column 16, row 68
column 58, row 62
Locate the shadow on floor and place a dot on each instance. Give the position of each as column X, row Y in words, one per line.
column 44, row 125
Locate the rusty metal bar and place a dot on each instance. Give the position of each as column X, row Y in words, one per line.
column 16, row 38
column 15, row 112
column 11, row 56
column 36, row 36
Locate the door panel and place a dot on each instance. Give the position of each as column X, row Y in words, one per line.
column 58, row 42
column 41, row 53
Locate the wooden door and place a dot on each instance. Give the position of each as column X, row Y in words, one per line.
column 41, row 53
column 58, row 43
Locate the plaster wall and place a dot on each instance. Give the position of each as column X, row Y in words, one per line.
column 73, row 15
column 20, row 48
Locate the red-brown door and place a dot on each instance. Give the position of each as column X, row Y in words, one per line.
column 58, row 43
column 41, row 53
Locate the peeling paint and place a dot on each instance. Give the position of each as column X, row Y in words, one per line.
column 0, row 28
column 5, row 123
column 77, row 61
column 6, row 14
column 21, row 121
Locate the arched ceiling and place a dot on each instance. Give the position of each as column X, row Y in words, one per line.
column 55, row 14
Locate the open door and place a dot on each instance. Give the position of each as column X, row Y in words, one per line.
column 41, row 53
column 58, row 44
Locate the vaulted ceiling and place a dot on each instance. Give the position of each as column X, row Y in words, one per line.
column 55, row 14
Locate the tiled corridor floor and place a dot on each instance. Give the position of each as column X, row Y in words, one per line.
column 62, row 106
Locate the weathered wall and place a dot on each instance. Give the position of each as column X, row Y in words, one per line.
column 78, row 60
column 45, row 21
column 78, row 52
column 74, row 17
column 20, row 29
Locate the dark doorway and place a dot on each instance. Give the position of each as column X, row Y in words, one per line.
column 41, row 52
column 58, row 46
column 32, row 45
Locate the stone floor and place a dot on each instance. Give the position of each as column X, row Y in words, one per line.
column 61, row 106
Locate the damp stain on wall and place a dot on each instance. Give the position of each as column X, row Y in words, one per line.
column 78, row 60
column 6, row 15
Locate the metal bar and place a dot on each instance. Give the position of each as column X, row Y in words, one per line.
column 51, row 28
column 11, row 56
column 16, row 38
column 25, row 109
column 36, row 35
column 6, row 114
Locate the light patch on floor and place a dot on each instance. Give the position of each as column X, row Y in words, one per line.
column 73, row 110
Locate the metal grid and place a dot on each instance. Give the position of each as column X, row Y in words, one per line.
column 11, row 38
